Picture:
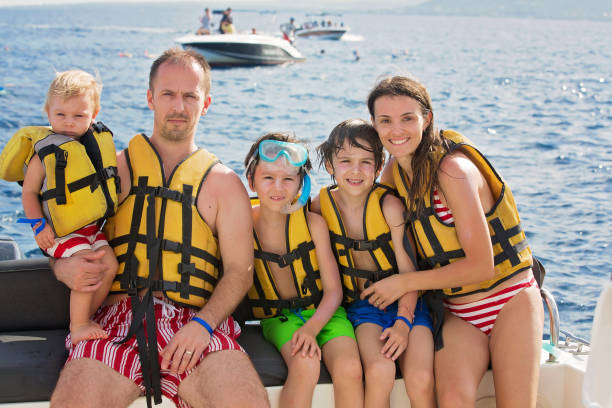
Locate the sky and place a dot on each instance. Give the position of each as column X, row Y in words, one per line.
column 233, row 3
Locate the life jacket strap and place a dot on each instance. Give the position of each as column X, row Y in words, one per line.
column 279, row 304
column 371, row 276
column 287, row 259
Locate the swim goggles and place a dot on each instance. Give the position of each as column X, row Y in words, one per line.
column 271, row 150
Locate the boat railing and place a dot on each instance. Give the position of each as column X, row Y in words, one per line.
column 572, row 344
column 553, row 313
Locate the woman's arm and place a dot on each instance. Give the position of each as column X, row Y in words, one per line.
column 464, row 189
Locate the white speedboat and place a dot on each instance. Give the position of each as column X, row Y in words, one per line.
column 228, row 50
column 322, row 33
column 314, row 29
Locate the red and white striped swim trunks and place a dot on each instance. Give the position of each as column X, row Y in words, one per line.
column 89, row 237
column 483, row 313
column 123, row 358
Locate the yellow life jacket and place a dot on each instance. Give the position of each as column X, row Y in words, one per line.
column 80, row 185
column 377, row 240
column 263, row 297
column 437, row 243
column 158, row 222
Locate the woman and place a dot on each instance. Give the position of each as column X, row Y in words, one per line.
column 470, row 244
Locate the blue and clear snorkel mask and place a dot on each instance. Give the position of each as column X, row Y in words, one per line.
column 271, row 150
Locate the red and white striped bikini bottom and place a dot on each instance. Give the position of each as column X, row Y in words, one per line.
column 483, row 313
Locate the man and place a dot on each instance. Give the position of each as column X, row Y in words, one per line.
column 171, row 192
column 226, row 25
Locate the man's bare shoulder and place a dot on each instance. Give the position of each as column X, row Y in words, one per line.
column 223, row 180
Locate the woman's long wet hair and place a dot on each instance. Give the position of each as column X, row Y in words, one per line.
column 432, row 148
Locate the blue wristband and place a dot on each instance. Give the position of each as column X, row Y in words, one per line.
column 33, row 222
column 403, row 319
column 203, row 323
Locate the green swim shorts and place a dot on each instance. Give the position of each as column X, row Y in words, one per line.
column 279, row 330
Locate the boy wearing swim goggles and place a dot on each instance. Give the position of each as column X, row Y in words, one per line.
column 366, row 222
column 296, row 277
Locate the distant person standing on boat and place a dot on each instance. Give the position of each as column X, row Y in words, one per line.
column 181, row 214
column 226, row 25
column 470, row 243
column 205, row 22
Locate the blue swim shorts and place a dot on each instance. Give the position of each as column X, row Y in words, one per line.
column 361, row 311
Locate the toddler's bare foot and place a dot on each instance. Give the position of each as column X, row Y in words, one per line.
column 88, row 331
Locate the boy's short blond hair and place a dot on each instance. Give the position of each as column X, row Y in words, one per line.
column 72, row 83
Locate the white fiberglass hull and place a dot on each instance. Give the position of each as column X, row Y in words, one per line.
column 242, row 49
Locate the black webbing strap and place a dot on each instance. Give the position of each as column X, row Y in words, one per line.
column 130, row 271
column 61, row 160
column 186, row 269
column 433, row 299
column 153, row 251
column 408, row 247
column 92, row 181
column 141, row 311
column 170, row 286
column 163, row 192
column 371, row 276
column 360, row 244
column 256, row 282
column 293, row 303
column 89, row 141
column 288, row 258
column 502, row 237
column 310, row 281
column 168, row 245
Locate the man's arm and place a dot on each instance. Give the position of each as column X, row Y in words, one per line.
column 81, row 272
column 234, row 226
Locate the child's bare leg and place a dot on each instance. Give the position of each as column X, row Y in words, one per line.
column 341, row 357
column 379, row 370
column 84, row 304
column 81, row 326
column 301, row 380
column 110, row 261
column 417, row 368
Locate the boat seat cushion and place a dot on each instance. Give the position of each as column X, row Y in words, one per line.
column 33, row 327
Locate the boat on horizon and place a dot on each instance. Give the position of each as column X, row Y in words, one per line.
column 229, row 50
column 323, row 29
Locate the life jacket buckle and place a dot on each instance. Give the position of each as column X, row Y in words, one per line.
column 295, row 303
column 186, row 268
column 363, row 245
column 61, row 159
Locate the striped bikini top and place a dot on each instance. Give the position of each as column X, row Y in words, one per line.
column 442, row 211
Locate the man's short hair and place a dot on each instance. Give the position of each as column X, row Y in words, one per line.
column 179, row 56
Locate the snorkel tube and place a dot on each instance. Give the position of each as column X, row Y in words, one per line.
column 302, row 200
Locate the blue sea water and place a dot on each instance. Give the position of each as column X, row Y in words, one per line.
column 534, row 95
